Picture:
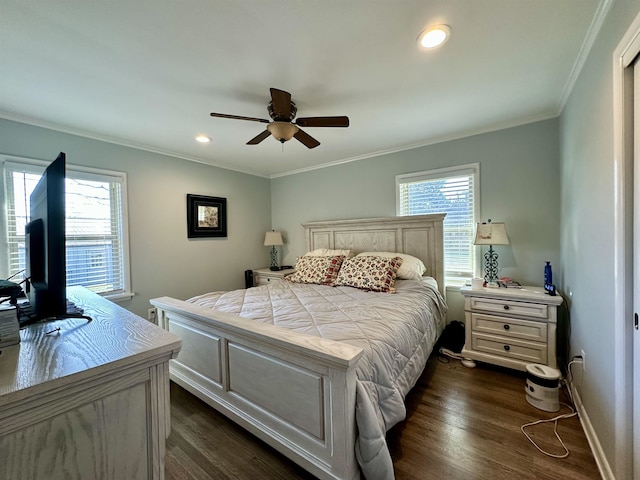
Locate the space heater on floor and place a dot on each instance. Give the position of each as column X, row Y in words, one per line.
column 542, row 387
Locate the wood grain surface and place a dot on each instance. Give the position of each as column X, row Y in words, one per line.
column 461, row 424
column 116, row 338
column 86, row 400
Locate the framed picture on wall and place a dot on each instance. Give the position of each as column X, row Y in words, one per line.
column 206, row 216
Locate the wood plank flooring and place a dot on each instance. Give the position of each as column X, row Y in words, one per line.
column 461, row 424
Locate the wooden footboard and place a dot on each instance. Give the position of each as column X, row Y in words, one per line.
column 295, row 392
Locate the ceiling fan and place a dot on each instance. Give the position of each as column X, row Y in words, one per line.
column 282, row 111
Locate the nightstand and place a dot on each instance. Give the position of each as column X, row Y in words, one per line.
column 264, row 276
column 511, row 327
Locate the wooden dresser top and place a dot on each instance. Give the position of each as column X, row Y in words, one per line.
column 115, row 338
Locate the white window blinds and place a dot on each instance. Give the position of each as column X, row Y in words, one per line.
column 96, row 247
column 453, row 191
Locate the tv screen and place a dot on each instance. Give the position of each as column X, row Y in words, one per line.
column 45, row 245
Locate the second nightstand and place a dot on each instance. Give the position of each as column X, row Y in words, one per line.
column 264, row 276
column 511, row 327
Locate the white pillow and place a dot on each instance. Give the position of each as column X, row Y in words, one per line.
column 412, row 267
column 327, row 252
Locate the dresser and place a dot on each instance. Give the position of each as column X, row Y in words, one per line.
column 510, row 327
column 87, row 401
column 264, row 276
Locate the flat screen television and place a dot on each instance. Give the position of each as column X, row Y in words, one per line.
column 45, row 244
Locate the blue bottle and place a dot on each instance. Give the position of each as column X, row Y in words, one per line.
column 548, row 275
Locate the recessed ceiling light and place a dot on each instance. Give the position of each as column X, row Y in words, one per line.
column 434, row 36
column 203, row 139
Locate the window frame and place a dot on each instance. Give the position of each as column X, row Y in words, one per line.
column 81, row 173
column 471, row 169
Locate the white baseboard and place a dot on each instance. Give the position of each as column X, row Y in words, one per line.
column 592, row 438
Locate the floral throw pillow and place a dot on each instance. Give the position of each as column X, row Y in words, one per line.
column 372, row 273
column 319, row 270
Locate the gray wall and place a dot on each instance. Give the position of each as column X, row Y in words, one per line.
column 163, row 260
column 587, row 185
column 519, row 181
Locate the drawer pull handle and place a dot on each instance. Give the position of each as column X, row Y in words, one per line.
column 506, row 307
column 507, row 327
column 507, row 348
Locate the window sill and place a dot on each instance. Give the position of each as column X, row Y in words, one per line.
column 120, row 297
column 456, row 284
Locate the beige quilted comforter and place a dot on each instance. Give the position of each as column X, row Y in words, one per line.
column 396, row 331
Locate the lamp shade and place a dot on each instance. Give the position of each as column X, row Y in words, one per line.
column 273, row 238
column 491, row 234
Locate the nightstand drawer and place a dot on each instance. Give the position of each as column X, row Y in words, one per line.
column 266, row 276
column 509, row 327
column 510, row 307
column 527, row 352
column 265, row 280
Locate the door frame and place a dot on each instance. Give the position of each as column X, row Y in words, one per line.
column 626, row 464
column 635, row 272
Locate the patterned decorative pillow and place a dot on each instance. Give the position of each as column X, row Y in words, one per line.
column 376, row 274
column 319, row 270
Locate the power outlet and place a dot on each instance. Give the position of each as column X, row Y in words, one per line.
column 152, row 315
column 584, row 360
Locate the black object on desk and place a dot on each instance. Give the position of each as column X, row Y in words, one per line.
column 11, row 290
column 277, row 269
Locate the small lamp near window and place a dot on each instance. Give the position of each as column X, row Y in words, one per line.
column 491, row 234
column 273, row 239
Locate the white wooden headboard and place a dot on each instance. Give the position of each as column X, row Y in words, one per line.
column 417, row 235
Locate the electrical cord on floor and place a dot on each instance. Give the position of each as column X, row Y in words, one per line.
column 445, row 354
column 555, row 431
column 555, row 420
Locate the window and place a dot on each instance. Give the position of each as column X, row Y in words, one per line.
column 96, row 228
column 453, row 191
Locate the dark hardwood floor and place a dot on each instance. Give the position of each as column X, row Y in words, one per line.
column 461, row 424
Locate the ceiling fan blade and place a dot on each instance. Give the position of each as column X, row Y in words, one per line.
column 281, row 103
column 306, row 139
column 257, row 139
column 323, row 122
column 238, row 117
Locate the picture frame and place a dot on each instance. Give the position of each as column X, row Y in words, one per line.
column 206, row 216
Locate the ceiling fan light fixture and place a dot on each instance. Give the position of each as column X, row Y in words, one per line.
column 203, row 139
column 434, row 36
column 282, row 110
column 282, row 131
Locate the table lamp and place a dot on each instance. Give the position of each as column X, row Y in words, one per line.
column 272, row 239
column 491, row 234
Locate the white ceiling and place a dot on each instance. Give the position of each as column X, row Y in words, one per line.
column 147, row 73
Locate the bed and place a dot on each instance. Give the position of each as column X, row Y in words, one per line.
column 306, row 388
